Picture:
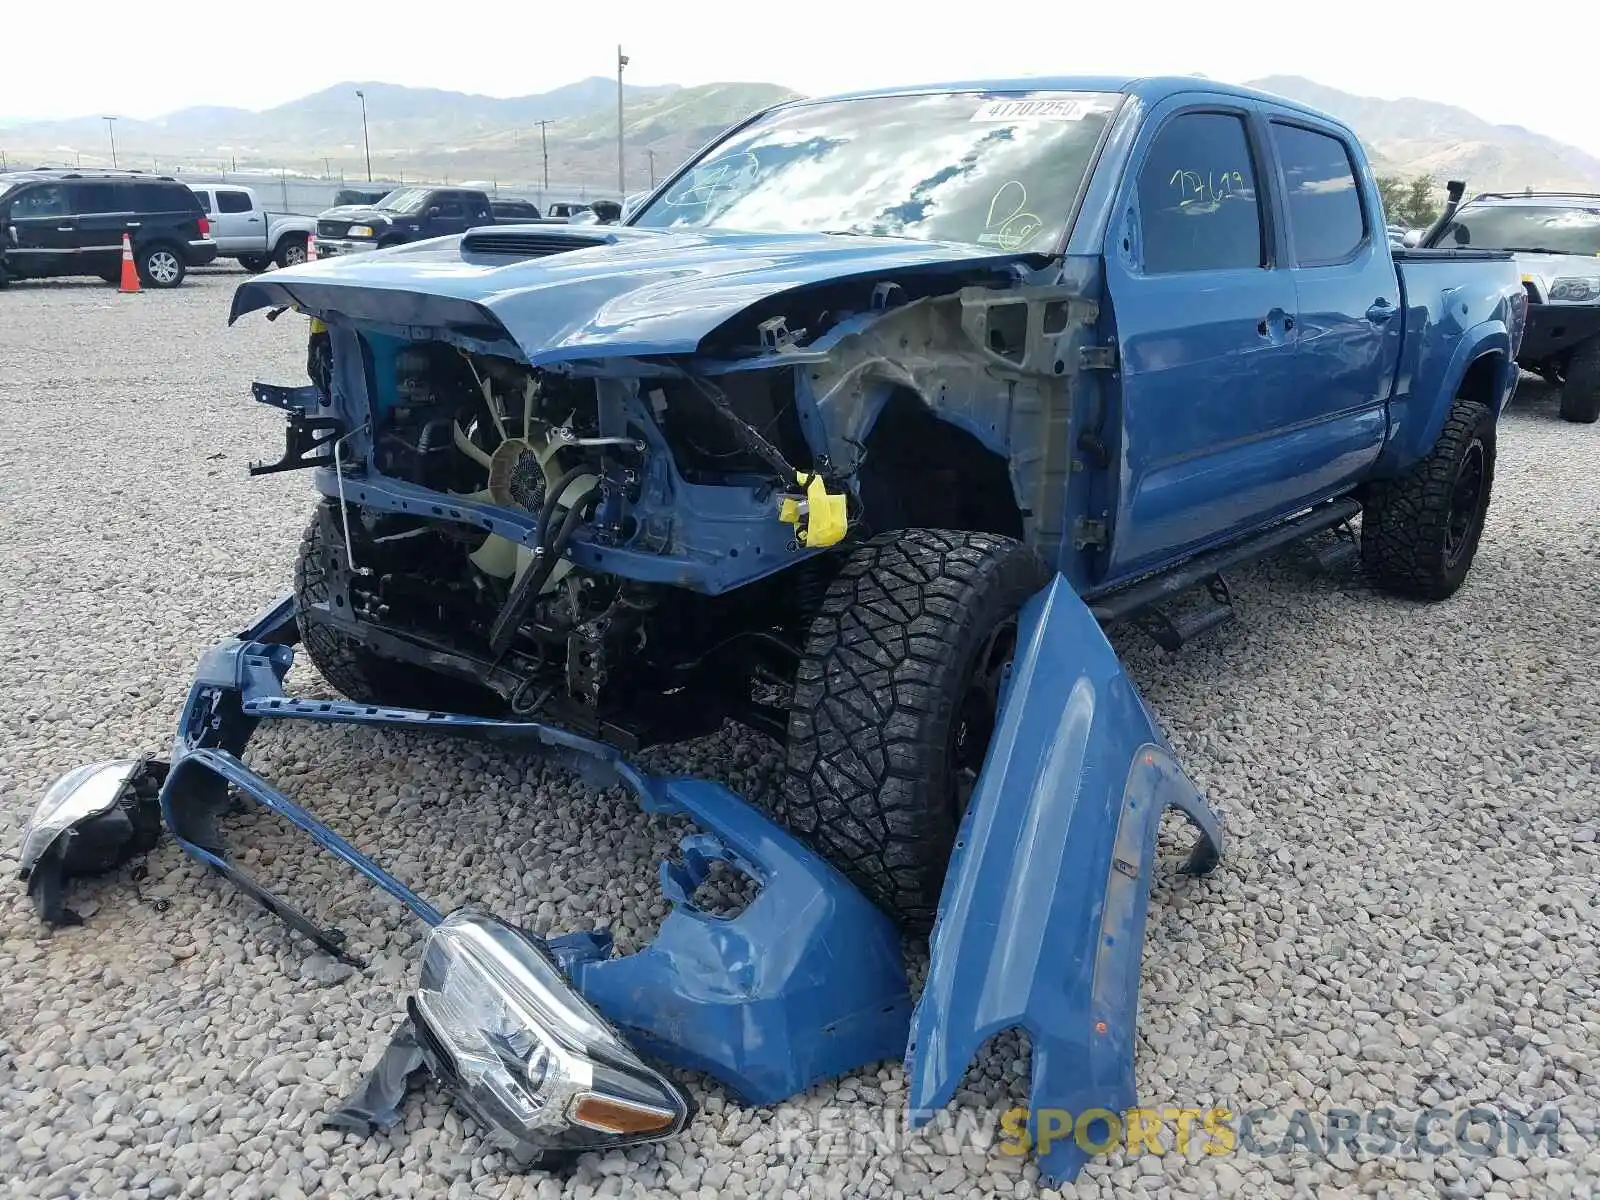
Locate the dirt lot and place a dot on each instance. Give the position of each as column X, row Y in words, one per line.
column 1406, row 920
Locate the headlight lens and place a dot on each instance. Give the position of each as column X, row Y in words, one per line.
column 525, row 1055
column 1575, row 289
column 359, row 231
column 81, row 793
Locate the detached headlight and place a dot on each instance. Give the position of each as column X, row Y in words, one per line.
column 359, row 231
column 1575, row 289
column 524, row 1054
column 90, row 819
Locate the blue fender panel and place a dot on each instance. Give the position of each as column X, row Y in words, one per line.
column 1041, row 923
column 1416, row 420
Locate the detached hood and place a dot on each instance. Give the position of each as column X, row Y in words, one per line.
column 565, row 292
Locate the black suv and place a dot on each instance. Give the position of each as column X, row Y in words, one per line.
column 514, row 210
column 71, row 222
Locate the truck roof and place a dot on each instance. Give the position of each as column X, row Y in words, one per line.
column 1151, row 89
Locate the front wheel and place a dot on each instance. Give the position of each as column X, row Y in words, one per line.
column 349, row 667
column 160, row 266
column 1420, row 533
column 895, row 699
column 1580, row 386
column 254, row 263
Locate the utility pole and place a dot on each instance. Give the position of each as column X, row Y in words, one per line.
column 651, row 155
column 622, row 61
column 111, row 128
column 544, row 148
column 367, row 145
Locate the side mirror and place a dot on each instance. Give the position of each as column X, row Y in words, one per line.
column 1412, row 238
column 433, row 210
column 1462, row 237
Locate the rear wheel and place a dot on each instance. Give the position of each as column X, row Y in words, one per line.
column 1580, row 389
column 254, row 263
column 1419, row 533
column 160, row 266
column 894, row 703
column 291, row 251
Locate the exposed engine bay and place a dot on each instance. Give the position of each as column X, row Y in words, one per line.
column 638, row 661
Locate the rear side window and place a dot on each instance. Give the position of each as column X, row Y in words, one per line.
column 166, row 198
column 1326, row 224
column 90, row 198
column 233, row 202
column 205, row 201
column 1199, row 209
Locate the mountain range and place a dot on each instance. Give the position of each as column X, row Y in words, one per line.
column 424, row 133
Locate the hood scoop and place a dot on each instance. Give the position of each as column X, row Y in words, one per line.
column 529, row 243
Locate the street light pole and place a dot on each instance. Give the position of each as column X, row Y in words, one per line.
column 651, row 155
column 544, row 149
column 366, row 145
column 622, row 186
column 111, row 128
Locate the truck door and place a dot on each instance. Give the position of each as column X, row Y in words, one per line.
column 238, row 226
column 446, row 214
column 1348, row 298
column 1204, row 316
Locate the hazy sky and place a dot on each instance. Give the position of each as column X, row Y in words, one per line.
column 257, row 55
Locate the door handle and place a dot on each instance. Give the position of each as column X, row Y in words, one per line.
column 133, row 224
column 1380, row 311
column 64, row 228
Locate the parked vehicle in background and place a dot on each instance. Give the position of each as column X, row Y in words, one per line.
column 246, row 231
column 515, row 210
column 62, row 222
column 405, row 215
column 368, row 196
column 564, row 210
column 1555, row 237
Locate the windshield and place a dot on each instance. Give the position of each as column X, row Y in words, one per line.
column 404, row 201
column 1558, row 229
column 997, row 170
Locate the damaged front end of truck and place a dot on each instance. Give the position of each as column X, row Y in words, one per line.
column 587, row 489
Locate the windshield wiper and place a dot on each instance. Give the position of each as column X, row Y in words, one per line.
column 1544, row 250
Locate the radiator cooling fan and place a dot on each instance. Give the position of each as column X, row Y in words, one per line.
column 523, row 468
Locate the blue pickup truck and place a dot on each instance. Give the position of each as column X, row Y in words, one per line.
column 857, row 430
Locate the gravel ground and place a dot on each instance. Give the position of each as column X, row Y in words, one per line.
column 1407, row 916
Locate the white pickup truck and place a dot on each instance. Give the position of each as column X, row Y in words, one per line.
column 244, row 230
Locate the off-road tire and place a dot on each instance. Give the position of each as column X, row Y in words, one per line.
column 1407, row 542
column 254, row 263
column 1580, row 388
column 350, row 668
column 887, row 662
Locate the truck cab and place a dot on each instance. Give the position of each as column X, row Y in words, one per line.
column 410, row 214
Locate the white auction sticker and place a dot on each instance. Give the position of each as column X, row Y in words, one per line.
column 1042, row 108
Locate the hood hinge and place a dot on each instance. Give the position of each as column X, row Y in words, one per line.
column 1089, row 531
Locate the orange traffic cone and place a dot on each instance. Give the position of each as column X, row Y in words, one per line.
column 311, row 247
column 130, row 274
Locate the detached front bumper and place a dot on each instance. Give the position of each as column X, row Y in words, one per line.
column 1553, row 329
column 807, row 982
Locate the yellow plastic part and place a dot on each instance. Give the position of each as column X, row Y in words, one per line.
column 317, row 327
column 820, row 519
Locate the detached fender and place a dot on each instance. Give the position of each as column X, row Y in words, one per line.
column 1416, row 419
column 1042, row 919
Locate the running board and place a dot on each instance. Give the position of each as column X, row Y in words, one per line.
column 1152, row 590
column 1171, row 631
